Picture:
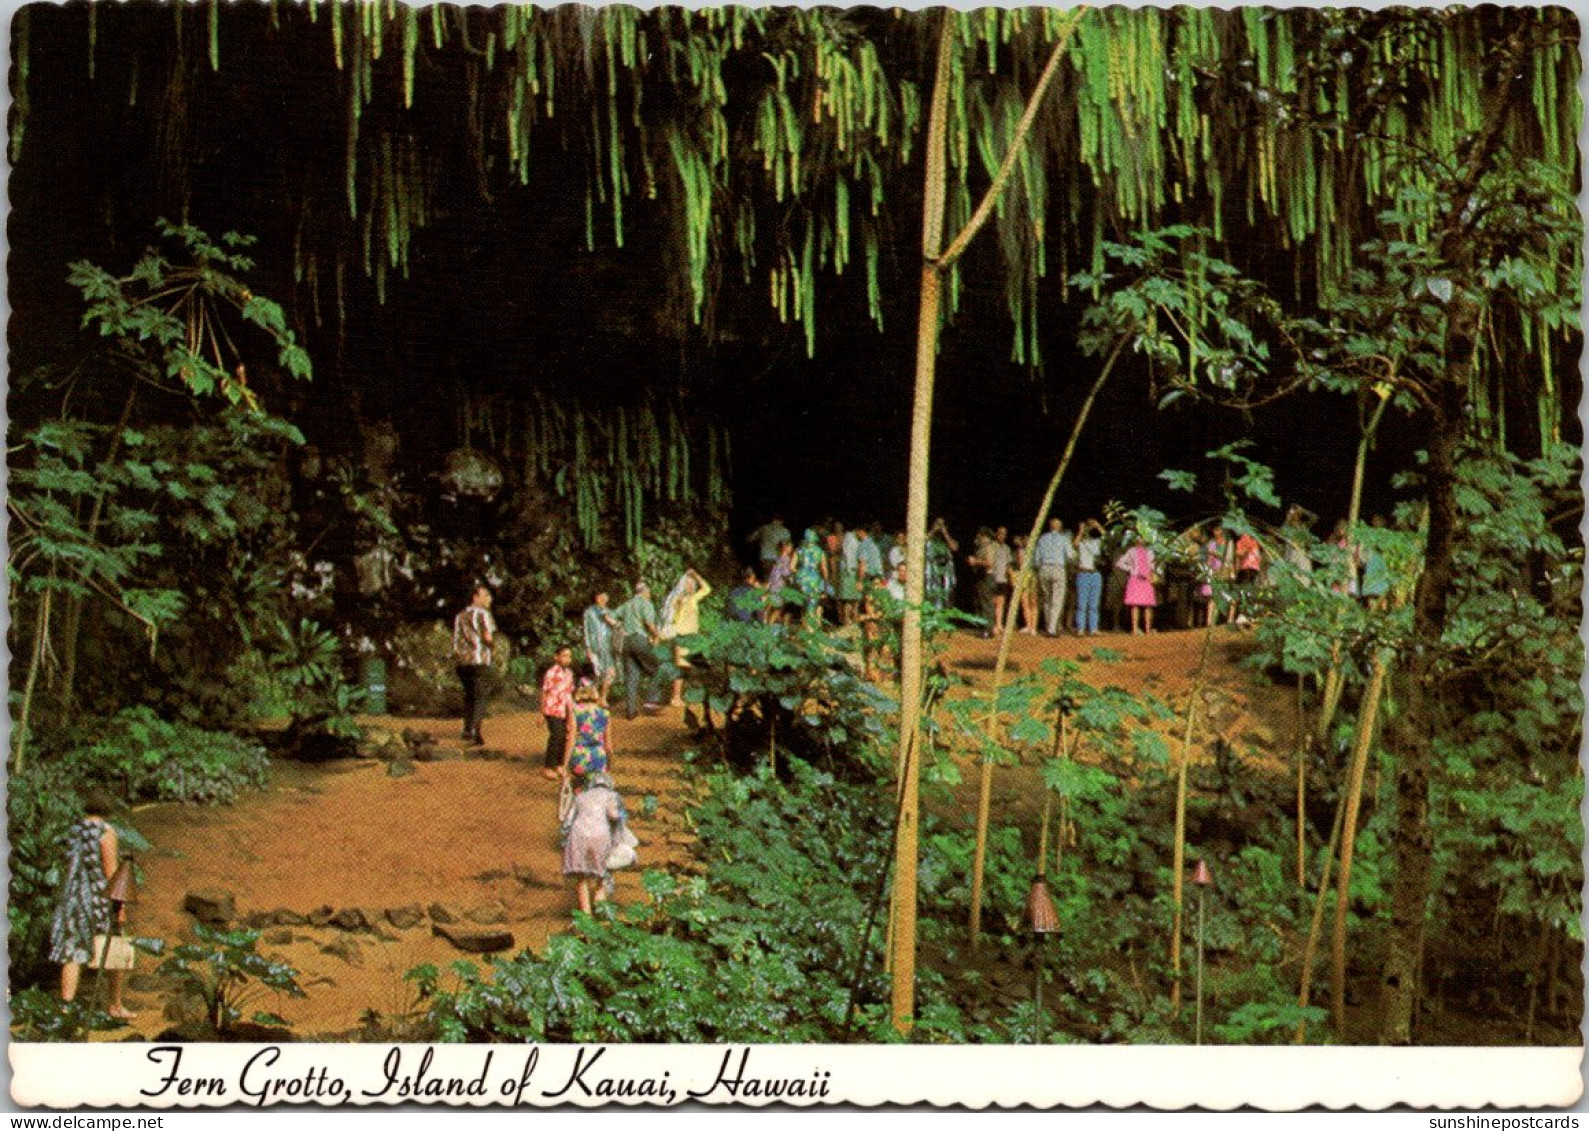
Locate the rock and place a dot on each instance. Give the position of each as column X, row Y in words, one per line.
column 425, row 752
column 406, row 918
column 441, row 913
column 211, row 906
column 321, row 916
column 283, row 917
column 346, row 949
column 493, row 912
column 278, row 936
column 400, row 768
column 416, row 738
column 351, row 919
column 475, row 940
column 446, row 754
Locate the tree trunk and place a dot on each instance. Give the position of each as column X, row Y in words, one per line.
column 902, row 908
column 1362, row 743
column 1412, row 730
column 934, row 264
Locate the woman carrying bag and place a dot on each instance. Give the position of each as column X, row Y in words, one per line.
column 87, row 923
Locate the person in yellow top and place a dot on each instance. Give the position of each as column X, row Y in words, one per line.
column 681, row 616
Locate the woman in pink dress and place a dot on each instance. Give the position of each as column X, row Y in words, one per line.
column 1137, row 564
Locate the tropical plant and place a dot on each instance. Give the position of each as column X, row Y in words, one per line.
column 224, row 968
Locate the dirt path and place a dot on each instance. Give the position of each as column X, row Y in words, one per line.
column 469, row 834
column 346, row 835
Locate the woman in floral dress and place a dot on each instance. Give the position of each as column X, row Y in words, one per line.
column 811, row 576
column 82, row 909
column 589, row 747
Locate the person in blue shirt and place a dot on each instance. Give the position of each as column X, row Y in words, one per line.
column 1052, row 559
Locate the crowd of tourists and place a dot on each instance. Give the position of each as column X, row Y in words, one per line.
column 1084, row 581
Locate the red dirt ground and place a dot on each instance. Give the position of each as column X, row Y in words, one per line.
column 466, row 833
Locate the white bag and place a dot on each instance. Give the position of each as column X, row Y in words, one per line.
column 111, row 952
column 622, row 854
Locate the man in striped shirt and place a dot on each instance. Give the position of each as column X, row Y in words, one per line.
column 472, row 633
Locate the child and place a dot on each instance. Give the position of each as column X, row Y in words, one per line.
column 591, row 832
column 83, row 910
column 557, row 703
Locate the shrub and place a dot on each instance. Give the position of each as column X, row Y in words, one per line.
column 228, row 973
column 146, row 758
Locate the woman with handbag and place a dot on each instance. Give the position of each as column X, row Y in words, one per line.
column 85, row 918
column 594, row 828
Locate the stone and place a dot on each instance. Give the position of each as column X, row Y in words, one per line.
column 346, row 949
column 412, row 737
column 475, row 940
column 400, row 768
column 441, row 913
column 405, row 918
column 489, row 913
column 350, row 919
column 211, row 906
column 284, row 917
column 278, row 936
column 321, row 916
column 425, row 752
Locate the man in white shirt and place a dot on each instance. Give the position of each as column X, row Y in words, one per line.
column 1051, row 559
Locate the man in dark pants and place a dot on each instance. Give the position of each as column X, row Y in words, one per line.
column 472, row 633
column 637, row 617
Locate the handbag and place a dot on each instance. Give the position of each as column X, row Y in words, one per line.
column 111, row 952
column 565, row 802
column 622, row 854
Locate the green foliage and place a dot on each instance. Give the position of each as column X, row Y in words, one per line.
column 1267, row 1022
column 1507, row 826
column 147, row 758
column 37, row 1014
column 797, row 687
column 1201, row 325
column 41, row 807
column 306, row 659
column 153, row 530
column 170, row 317
column 228, row 973
column 759, row 949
